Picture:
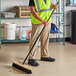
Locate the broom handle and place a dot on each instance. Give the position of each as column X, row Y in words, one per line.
column 39, row 35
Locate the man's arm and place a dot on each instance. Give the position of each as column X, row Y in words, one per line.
column 34, row 13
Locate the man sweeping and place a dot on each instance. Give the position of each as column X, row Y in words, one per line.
column 40, row 12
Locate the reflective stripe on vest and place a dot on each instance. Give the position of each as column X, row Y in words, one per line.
column 38, row 6
column 42, row 9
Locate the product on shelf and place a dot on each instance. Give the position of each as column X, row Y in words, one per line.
column 8, row 14
column 29, row 34
column 71, row 2
column 24, row 12
column 22, row 33
column 54, row 28
column 9, row 30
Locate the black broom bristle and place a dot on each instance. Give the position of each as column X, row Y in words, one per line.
column 22, row 67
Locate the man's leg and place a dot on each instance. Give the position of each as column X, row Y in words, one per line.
column 36, row 28
column 45, row 44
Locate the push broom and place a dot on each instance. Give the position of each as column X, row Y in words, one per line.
column 22, row 67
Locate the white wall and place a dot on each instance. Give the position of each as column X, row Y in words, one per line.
column 7, row 4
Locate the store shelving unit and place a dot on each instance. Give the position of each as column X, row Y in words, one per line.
column 14, row 41
column 0, row 24
column 55, row 14
column 63, row 22
column 14, row 18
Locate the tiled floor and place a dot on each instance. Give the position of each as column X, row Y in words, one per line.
column 65, row 64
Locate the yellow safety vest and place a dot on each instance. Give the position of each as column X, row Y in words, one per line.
column 43, row 9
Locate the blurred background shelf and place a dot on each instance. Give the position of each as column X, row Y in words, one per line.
column 58, row 33
column 25, row 41
column 13, row 18
column 14, row 41
column 57, row 14
column 74, row 5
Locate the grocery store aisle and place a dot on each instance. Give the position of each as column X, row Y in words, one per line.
column 65, row 64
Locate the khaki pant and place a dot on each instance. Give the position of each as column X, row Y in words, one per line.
column 36, row 29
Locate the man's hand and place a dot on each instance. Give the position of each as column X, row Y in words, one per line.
column 45, row 23
column 55, row 6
